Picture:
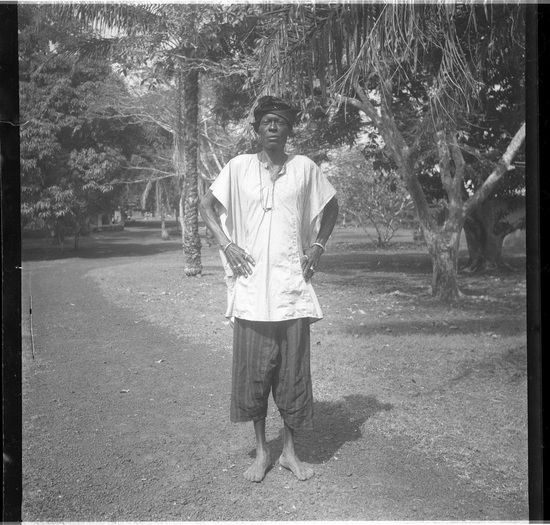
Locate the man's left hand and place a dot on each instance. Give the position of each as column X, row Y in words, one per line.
column 310, row 260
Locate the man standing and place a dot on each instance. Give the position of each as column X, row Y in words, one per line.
column 272, row 214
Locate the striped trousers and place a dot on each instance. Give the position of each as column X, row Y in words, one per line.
column 272, row 357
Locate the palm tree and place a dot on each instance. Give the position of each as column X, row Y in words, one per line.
column 177, row 43
column 417, row 72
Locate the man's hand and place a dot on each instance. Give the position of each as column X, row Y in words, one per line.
column 310, row 259
column 239, row 260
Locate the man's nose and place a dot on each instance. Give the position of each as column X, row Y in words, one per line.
column 273, row 125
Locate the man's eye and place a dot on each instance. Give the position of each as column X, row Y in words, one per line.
column 276, row 122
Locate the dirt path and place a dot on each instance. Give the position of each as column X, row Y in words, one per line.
column 125, row 421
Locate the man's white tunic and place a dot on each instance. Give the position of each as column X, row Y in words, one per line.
column 274, row 221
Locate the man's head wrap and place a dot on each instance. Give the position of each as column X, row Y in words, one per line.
column 275, row 106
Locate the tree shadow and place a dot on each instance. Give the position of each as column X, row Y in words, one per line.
column 497, row 324
column 99, row 252
column 348, row 263
column 131, row 242
column 335, row 423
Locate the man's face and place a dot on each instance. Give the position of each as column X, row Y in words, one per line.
column 273, row 131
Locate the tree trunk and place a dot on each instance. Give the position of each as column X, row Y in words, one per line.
column 485, row 231
column 78, row 229
column 60, row 235
column 381, row 243
column 484, row 246
column 174, row 206
column 164, row 235
column 475, row 234
column 158, row 197
column 443, row 247
column 191, row 239
column 181, row 216
column 179, row 156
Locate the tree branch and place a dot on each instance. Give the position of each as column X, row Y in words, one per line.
column 502, row 167
column 458, row 159
column 444, row 161
column 166, row 173
column 399, row 149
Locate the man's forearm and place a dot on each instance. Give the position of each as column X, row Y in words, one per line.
column 239, row 260
column 211, row 219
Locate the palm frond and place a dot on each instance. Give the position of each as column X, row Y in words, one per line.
column 327, row 50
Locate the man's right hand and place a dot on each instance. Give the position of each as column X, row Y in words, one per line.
column 239, row 260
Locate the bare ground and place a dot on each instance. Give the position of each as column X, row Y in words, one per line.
column 420, row 409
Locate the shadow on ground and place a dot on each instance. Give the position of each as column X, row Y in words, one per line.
column 335, row 423
column 345, row 264
column 493, row 324
column 132, row 242
column 349, row 265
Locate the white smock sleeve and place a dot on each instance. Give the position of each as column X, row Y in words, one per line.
column 224, row 190
column 221, row 189
column 318, row 194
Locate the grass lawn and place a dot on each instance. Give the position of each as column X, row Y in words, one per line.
column 450, row 380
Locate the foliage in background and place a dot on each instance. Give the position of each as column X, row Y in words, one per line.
column 372, row 194
column 323, row 129
column 75, row 147
column 68, row 158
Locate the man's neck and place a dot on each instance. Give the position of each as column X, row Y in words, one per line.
column 274, row 157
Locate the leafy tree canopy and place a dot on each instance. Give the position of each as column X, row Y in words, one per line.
column 72, row 144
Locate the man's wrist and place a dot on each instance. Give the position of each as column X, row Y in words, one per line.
column 320, row 246
column 226, row 245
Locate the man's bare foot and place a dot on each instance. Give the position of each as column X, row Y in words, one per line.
column 256, row 471
column 301, row 470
